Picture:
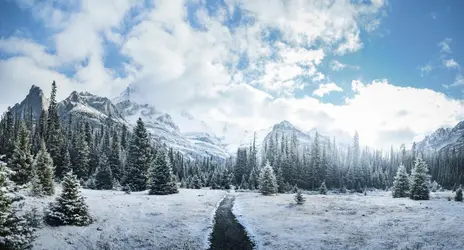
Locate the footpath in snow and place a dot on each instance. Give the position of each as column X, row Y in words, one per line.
column 352, row 221
column 136, row 221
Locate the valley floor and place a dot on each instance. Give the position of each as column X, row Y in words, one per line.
column 136, row 221
column 351, row 221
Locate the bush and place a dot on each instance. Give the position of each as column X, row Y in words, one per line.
column 458, row 196
column 299, row 198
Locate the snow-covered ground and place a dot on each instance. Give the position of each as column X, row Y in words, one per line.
column 352, row 221
column 136, row 221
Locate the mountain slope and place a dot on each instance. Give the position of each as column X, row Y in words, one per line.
column 35, row 101
column 443, row 139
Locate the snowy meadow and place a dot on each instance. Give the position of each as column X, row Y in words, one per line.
column 351, row 221
column 136, row 221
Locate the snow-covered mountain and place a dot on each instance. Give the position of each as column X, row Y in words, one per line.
column 95, row 108
column 443, row 139
column 194, row 143
column 35, row 101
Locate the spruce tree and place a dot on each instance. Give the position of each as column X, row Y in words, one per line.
column 243, row 183
column 114, row 158
column 323, row 188
column 267, row 180
column 139, row 158
column 54, row 136
column 162, row 180
column 16, row 227
column 21, row 160
column 253, row 179
column 401, row 183
column 299, row 197
column 43, row 165
column 196, row 183
column 419, row 189
column 458, row 196
column 70, row 207
column 81, row 156
column 103, row 175
column 280, row 180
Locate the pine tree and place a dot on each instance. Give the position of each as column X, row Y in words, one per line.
column 54, row 136
column 114, row 159
column 419, row 189
column 103, row 175
column 195, row 182
column 280, row 180
column 70, row 207
column 300, row 200
column 21, row 160
column 81, row 156
column 43, row 165
column 162, row 180
column 243, row 183
column 139, row 158
column 458, row 196
column 253, row 179
column 323, row 188
column 401, row 183
column 267, row 180
column 16, row 228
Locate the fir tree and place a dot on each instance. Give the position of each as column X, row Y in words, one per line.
column 323, row 188
column 419, row 189
column 43, row 166
column 280, row 180
column 401, row 183
column 21, row 160
column 243, row 183
column 267, row 180
column 54, row 136
column 103, row 175
column 114, row 159
column 139, row 158
column 299, row 197
column 253, row 179
column 195, row 182
column 127, row 189
column 458, row 196
column 162, row 180
column 81, row 158
column 70, row 207
column 16, row 228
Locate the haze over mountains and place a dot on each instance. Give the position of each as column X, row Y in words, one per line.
column 198, row 140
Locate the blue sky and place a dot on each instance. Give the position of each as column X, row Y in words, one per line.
column 287, row 58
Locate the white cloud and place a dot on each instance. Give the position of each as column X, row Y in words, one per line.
column 337, row 66
column 326, row 88
column 451, row 64
column 178, row 67
column 445, row 45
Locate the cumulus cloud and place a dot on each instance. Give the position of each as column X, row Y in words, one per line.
column 181, row 66
column 326, row 88
column 451, row 64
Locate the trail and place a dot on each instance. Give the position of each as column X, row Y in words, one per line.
column 228, row 233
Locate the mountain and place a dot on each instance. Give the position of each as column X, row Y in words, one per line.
column 195, row 143
column 35, row 101
column 443, row 139
column 95, row 108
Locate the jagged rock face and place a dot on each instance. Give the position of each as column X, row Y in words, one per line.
column 35, row 101
column 443, row 139
column 95, row 108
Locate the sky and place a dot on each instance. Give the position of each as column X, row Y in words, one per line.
column 389, row 69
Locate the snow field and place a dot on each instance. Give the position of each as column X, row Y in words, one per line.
column 351, row 221
column 136, row 221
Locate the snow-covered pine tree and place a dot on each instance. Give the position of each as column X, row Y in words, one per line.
column 195, row 182
column 43, row 165
column 243, row 183
column 323, row 188
column 401, row 183
column 162, row 180
column 253, row 180
column 139, row 158
column 127, row 189
column 114, row 159
column 458, row 196
column 103, row 175
column 54, row 136
column 81, row 155
column 299, row 197
column 419, row 189
column 435, row 186
column 280, row 180
column 16, row 228
column 267, row 180
column 21, row 160
column 65, row 162
column 70, row 207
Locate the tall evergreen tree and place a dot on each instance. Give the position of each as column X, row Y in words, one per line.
column 115, row 158
column 103, row 175
column 81, row 156
column 419, row 189
column 267, row 180
column 21, row 160
column 43, row 166
column 401, row 183
column 54, row 136
column 70, row 207
column 162, row 180
column 139, row 158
